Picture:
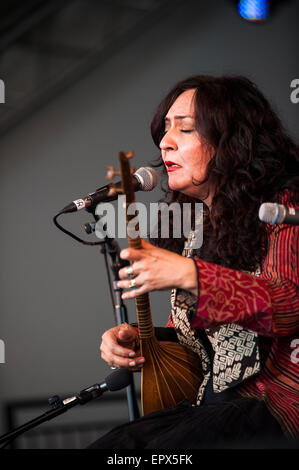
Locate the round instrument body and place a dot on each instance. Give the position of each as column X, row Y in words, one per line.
column 171, row 374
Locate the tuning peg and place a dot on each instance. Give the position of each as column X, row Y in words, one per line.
column 111, row 172
column 130, row 154
column 114, row 190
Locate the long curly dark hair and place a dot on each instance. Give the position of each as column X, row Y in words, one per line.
column 254, row 162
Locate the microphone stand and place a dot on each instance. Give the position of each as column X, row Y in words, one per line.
column 111, row 247
column 58, row 407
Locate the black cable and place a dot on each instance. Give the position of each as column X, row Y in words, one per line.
column 104, row 251
column 84, row 242
column 70, row 234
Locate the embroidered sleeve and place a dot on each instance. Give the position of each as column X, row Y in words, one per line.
column 268, row 304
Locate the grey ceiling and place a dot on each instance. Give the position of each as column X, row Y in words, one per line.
column 46, row 46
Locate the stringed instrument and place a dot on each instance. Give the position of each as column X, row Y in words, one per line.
column 171, row 371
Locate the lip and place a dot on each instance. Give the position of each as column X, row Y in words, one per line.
column 170, row 168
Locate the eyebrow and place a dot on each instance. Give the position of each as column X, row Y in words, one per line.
column 179, row 118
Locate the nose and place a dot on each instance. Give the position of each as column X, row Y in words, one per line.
column 168, row 141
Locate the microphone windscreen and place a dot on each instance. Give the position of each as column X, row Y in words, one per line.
column 148, row 178
column 118, row 379
column 272, row 213
column 268, row 212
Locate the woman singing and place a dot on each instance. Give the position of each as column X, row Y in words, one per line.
column 234, row 300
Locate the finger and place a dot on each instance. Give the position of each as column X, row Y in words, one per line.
column 118, row 349
column 131, row 254
column 132, row 293
column 127, row 284
column 123, row 274
column 125, row 331
column 120, row 362
column 127, row 336
column 136, row 364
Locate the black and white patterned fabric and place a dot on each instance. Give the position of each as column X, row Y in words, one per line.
column 236, row 349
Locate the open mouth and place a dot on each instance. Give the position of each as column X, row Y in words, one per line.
column 171, row 166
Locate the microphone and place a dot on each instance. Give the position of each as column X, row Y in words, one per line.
column 273, row 213
column 117, row 380
column 144, row 179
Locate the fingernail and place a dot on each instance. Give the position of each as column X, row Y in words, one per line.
column 124, row 254
column 132, row 363
column 131, row 354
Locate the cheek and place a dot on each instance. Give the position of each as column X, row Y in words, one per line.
column 194, row 160
column 198, row 159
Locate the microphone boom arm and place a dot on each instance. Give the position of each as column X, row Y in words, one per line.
column 59, row 406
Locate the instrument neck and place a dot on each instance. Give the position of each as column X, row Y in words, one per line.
column 143, row 308
column 144, row 317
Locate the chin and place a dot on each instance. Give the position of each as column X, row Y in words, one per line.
column 176, row 185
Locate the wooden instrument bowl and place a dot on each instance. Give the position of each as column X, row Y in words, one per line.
column 170, row 374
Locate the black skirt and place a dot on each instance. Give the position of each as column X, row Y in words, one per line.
column 236, row 423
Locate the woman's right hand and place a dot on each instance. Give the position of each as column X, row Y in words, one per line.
column 119, row 349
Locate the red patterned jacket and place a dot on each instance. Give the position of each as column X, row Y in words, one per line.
column 269, row 306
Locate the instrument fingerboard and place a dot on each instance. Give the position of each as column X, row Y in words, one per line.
column 143, row 309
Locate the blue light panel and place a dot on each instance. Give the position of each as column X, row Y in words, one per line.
column 254, row 10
